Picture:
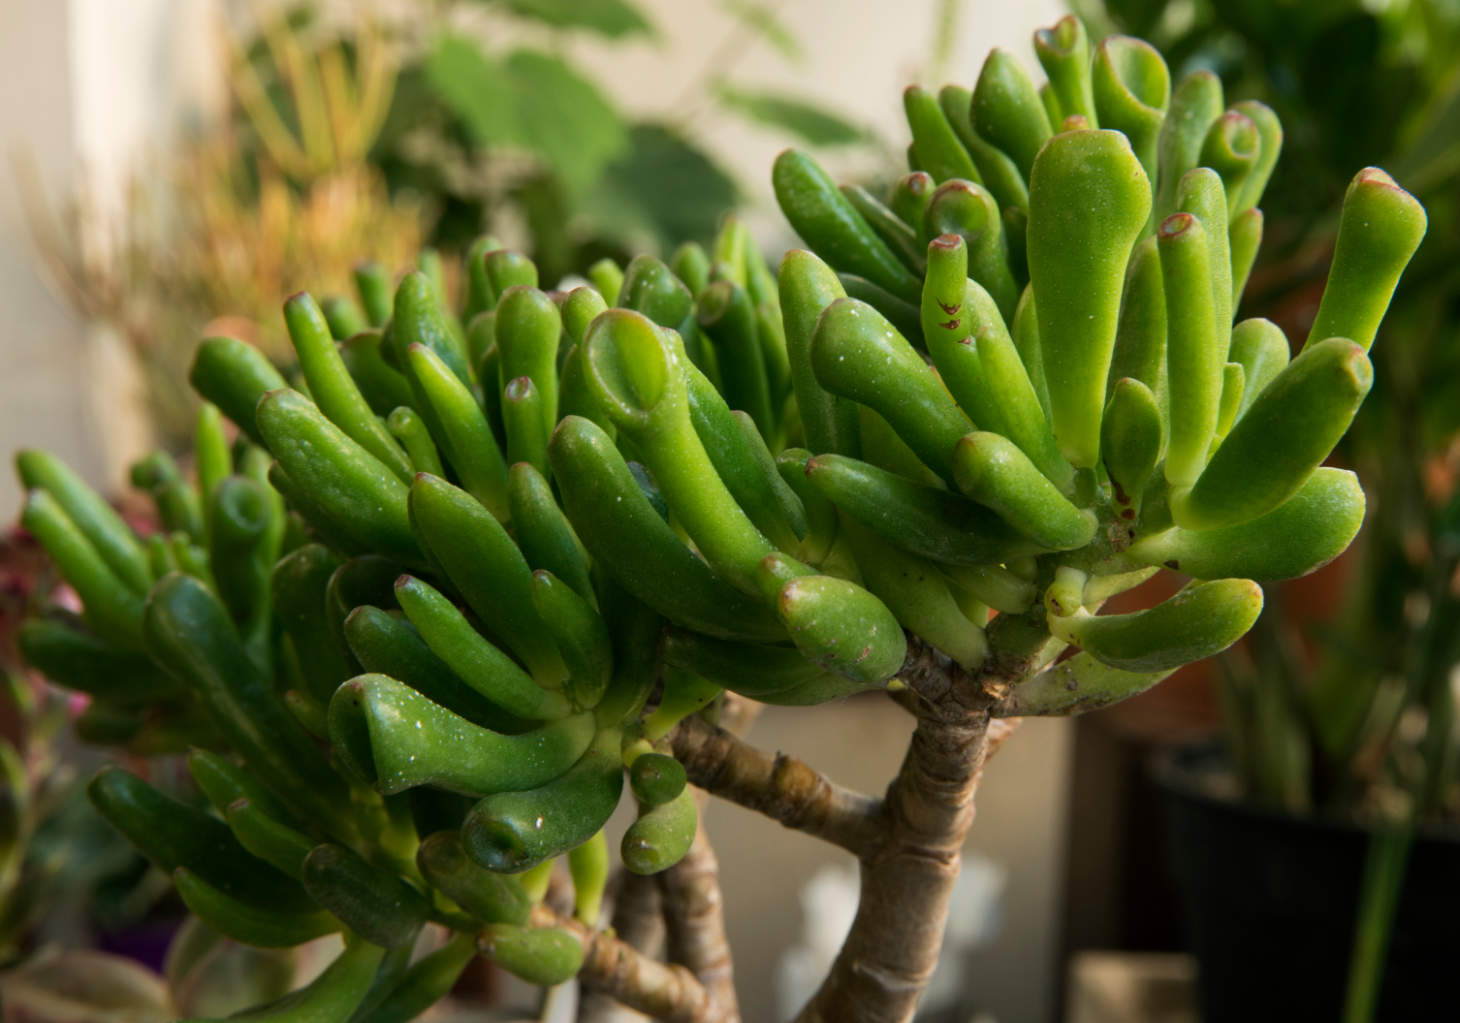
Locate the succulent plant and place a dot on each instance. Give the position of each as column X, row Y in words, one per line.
column 464, row 575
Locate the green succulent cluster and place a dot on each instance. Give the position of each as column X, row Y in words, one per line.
column 1071, row 257
column 462, row 573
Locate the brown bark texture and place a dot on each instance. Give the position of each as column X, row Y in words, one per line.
column 908, row 844
column 638, row 923
column 694, row 914
column 908, row 874
column 781, row 787
column 663, row 991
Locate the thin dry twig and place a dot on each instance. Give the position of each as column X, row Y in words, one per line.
column 693, row 906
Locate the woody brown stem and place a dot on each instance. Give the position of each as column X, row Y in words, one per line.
column 908, row 874
column 780, row 786
column 692, row 903
column 638, row 923
column 695, row 919
column 637, row 918
column 666, row 992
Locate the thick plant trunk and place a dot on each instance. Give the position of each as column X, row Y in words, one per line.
column 908, row 879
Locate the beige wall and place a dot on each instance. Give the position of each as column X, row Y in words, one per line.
column 91, row 88
column 41, row 341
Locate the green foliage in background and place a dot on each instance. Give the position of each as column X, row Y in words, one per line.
column 483, row 127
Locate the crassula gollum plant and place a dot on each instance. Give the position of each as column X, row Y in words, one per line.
column 461, row 580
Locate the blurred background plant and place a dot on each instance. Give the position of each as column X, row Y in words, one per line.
column 56, row 854
column 90, row 932
column 1352, row 709
column 373, row 134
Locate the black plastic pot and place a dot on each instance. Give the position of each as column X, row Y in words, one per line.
column 1270, row 903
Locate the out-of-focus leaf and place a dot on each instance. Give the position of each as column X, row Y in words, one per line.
column 1133, row 17
column 532, row 100
column 612, row 18
column 416, row 102
column 1434, row 154
column 563, row 117
column 813, row 124
column 82, row 986
column 663, row 186
column 761, row 18
column 549, row 222
column 475, row 87
column 297, row 19
column 213, row 977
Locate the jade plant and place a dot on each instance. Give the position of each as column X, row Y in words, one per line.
column 468, row 573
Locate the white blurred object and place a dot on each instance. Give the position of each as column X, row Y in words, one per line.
column 829, row 904
column 975, row 917
column 561, row 1004
column 1132, row 987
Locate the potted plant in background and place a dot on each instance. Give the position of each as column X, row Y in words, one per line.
column 415, row 679
column 1340, row 710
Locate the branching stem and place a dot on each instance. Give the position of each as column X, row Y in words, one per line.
column 694, row 914
column 908, row 874
column 781, row 787
column 667, row 992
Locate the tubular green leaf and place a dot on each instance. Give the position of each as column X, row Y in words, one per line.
column 1306, row 531
column 1379, row 230
column 331, row 386
column 1132, row 88
column 398, row 739
column 1194, row 354
column 1285, row 434
column 829, row 224
column 850, row 337
column 990, row 469
column 1007, row 110
column 1088, row 201
column 1200, row 621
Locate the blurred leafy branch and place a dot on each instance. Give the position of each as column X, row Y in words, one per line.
column 492, row 118
column 61, row 868
column 378, row 137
